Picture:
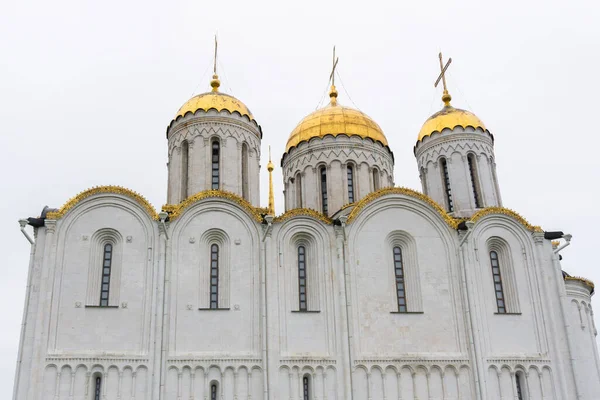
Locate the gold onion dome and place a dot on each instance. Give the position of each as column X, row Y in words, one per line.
column 214, row 100
column 449, row 118
column 335, row 120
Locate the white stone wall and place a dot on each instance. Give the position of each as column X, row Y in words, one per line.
column 335, row 153
column 582, row 339
column 160, row 342
column 455, row 146
column 199, row 130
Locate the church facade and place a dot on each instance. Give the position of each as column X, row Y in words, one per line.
column 359, row 290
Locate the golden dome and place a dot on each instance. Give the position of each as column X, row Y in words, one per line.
column 335, row 120
column 214, row 100
column 449, row 117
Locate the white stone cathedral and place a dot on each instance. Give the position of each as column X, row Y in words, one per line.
column 359, row 290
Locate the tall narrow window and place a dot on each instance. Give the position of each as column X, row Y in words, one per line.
column 213, row 391
column 97, row 387
column 399, row 272
column 214, row 276
column 520, row 391
column 446, row 180
column 306, row 388
column 497, row 282
column 375, row 179
column 323, row 172
column 298, row 190
column 474, row 180
column 245, row 171
column 424, row 180
column 215, row 165
column 185, row 156
column 350, row 173
column 106, row 266
column 302, row 278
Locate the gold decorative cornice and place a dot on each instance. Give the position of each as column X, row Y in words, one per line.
column 505, row 211
column 304, row 212
column 175, row 210
column 104, row 190
column 582, row 280
column 347, row 205
column 361, row 204
column 450, row 220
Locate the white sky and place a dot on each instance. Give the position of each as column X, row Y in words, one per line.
column 87, row 89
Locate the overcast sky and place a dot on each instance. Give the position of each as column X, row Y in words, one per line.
column 87, row 89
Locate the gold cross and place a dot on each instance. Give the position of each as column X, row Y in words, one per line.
column 333, row 92
column 215, row 61
column 446, row 96
column 335, row 62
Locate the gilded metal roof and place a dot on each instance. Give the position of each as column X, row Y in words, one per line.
column 335, row 120
column 449, row 117
column 214, row 100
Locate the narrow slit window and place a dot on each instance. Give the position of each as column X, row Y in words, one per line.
column 519, row 379
column 399, row 273
column 497, row 282
column 106, row 267
column 185, row 156
column 215, row 165
column 97, row 387
column 302, row 279
column 298, row 191
column 245, row 171
column 474, row 180
column 324, row 189
column 214, row 276
column 213, row 391
column 375, row 179
column 446, row 179
column 424, row 181
column 306, row 387
column 350, row 173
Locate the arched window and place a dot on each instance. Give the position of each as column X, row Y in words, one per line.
column 302, row 279
column 306, row 387
column 245, row 171
column 424, row 180
column 497, row 282
column 213, row 391
column 446, row 180
column 323, row 172
column 350, row 179
column 520, row 386
column 399, row 272
column 375, row 179
column 215, row 164
column 474, row 180
column 97, row 387
column 106, row 267
column 298, row 190
column 214, row 276
column 185, row 153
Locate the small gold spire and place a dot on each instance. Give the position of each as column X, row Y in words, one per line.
column 270, row 168
column 333, row 91
column 215, row 82
column 446, row 98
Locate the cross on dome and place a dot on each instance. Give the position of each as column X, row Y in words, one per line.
column 333, row 92
column 446, row 96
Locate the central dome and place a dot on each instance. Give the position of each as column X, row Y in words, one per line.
column 335, row 120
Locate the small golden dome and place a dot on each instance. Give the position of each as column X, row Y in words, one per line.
column 214, row 100
column 335, row 120
column 449, row 117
